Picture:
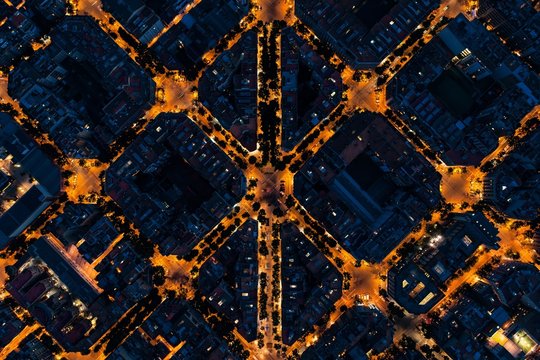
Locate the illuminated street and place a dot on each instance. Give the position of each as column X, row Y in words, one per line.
column 268, row 197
